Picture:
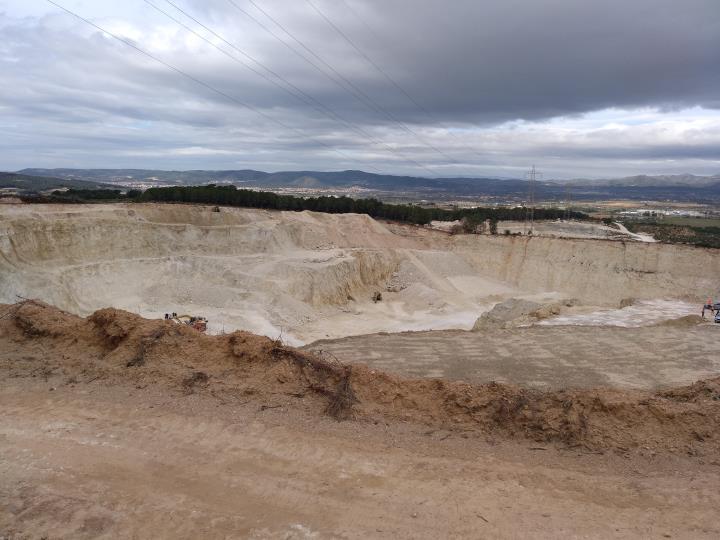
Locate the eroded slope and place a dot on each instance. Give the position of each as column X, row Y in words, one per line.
column 118, row 347
column 310, row 275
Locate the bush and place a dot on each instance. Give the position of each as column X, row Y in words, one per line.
column 469, row 225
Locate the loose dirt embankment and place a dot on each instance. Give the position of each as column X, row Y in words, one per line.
column 312, row 276
column 115, row 346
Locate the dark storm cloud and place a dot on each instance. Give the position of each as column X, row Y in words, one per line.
column 67, row 90
column 492, row 61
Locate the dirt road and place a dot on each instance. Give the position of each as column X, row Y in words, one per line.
column 115, row 426
column 636, row 236
column 93, row 461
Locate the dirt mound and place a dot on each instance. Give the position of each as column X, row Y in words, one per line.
column 598, row 418
column 517, row 311
column 506, row 313
column 698, row 392
column 117, row 346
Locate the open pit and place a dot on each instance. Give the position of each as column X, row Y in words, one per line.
column 306, row 277
column 603, row 421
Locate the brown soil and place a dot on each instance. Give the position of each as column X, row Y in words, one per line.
column 117, row 347
column 116, row 426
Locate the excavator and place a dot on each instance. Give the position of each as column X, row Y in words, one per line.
column 713, row 308
column 198, row 323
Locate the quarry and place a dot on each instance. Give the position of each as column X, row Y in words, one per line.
column 359, row 270
column 303, row 276
column 357, row 378
column 309, row 275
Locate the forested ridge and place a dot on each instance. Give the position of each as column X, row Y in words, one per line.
column 231, row 196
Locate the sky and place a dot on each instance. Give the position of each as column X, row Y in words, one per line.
column 578, row 88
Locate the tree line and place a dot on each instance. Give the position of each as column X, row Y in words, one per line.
column 79, row 195
column 409, row 213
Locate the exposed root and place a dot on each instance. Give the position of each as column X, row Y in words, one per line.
column 342, row 399
column 146, row 343
column 28, row 317
column 324, row 376
column 111, row 328
column 198, row 378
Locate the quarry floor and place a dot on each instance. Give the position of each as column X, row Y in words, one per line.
column 97, row 461
column 543, row 357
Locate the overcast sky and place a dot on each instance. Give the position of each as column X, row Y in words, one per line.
column 579, row 88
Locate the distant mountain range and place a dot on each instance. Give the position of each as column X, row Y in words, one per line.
column 644, row 180
column 296, row 179
column 664, row 187
column 27, row 182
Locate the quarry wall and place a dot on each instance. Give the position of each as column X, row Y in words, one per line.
column 63, row 253
column 596, row 271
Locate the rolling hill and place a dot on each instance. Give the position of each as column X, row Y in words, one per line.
column 685, row 188
column 35, row 183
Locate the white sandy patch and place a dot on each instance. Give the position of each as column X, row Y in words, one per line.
column 389, row 317
column 640, row 237
column 642, row 313
column 443, row 225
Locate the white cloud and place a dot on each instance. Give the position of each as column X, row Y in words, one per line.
column 70, row 96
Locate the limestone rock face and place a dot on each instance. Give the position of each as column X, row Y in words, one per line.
column 506, row 313
column 516, row 311
column 309, row 275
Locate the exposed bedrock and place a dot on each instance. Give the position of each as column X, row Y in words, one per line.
column 288, row 268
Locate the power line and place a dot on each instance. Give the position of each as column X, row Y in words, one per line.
column 298, row 94
column 223, row 51
column 343, row 81
column 568, row 211
column 383, row 73
column 531, row 176
column 365, row 56
column 196, row 80
column 380, row 70
column 359, row 18
column 310, row 100
column 336, row 79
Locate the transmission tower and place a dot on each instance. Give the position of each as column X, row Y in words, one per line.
column 567, row 203
column 531, row 176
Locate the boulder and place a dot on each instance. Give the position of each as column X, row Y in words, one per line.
column 516, row 311
column 505, row 313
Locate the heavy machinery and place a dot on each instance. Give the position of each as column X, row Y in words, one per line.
column 198, row 323
column 713, row 308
